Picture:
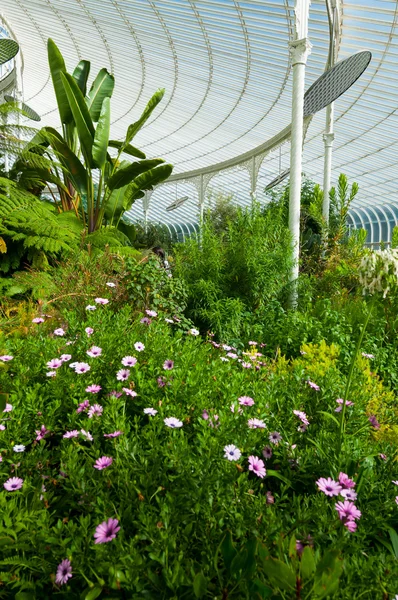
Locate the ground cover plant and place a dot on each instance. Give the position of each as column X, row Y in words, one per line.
column 140, row 460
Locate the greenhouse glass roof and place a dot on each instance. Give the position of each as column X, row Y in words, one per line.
column 226, row 68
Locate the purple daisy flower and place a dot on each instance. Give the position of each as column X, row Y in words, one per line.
column 114, row 434
column 347, row 510
column 275, row 437
column 246, row 401
column 110, row 284
column 129, row 392
column 59, row 331
column 231, row 452
column 13, row 484
column 256, row 424
column 374, row 422
column 64, row 572
column 95, row 410
column 348, row 494
column 161, row 382
column 173, row 422
column 54, row 363
column 82, row 367
column 365, row 355
column 6, row 358
column 91, row 307
column 313, row 385
column 65, row 357
column 246, row 365
column 151, row 313
column 103, row 462
column 168, row 365
column 8, row 408
column 194, row 332
column 345, row 481
column 123, row 374
column 93, row 389
column 150, row 411
column 83, row 406
column 70, row 434
column 89, row 331
column 129, row 361
column 139, row 346
column 94, row 351
column 302, row 416
column 87, row 435
column 106, row 531
column 267, row 452
column 38, row 320
column 101, row 301
column 257, row 466
column 329, row 486
column 145, row 321
column 41, row 433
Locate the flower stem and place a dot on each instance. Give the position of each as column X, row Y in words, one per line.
column 349, row 378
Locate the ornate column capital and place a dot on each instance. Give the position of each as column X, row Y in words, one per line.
column 300, row 51
column 328, row 139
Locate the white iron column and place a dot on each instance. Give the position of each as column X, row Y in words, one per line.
column 328, row 138
column 300, row 49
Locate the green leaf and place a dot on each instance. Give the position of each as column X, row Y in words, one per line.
column 327, row 575
column 261, row 589
column 57, row 68
column 271, row 473
column 91, row 593
column 81, row 116
column 279, row 572
column 228, row 550
column 128, row 149
column 101, row 88
column 146, row 181
column 200, row 585
column 307, row 563
column 3, row 401
column 101, row 137
column 150, row 107
column 115, row 204
column 394, row 540
column 125, row 175
column 81, row 74
column 329, row 416
column 25, row 596
column 68, row 159
column 251, row 548
column 239, row 562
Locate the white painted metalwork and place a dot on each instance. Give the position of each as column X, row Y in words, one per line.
column 300, row 48
column 226, row 68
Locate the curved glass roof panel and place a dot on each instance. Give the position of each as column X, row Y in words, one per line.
column 226, row 68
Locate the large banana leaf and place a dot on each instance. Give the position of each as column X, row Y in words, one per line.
column 101, row 88
column 81, row 116
column 146, row 181
column 115, row 205
column 101, row 137
column 68, row 159
column 57, row 66
column 128, row 149
column 124, row 176
column 81, row 74
column 150, row 107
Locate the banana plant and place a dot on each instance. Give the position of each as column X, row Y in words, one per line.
column 96, row 186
